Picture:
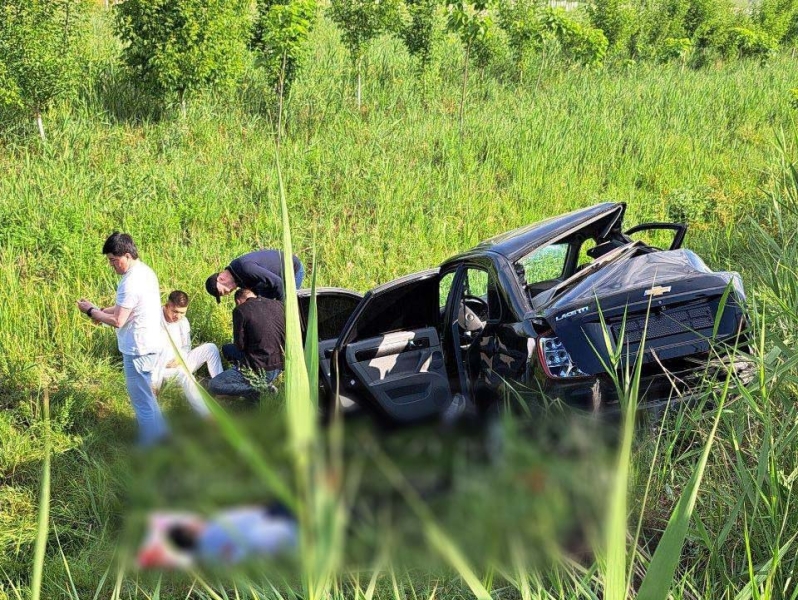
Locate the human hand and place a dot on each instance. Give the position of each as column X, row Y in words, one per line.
column 84, row 305
column 172, row 364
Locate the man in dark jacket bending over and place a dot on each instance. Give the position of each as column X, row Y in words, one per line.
column 260, row 271
column 259, row 335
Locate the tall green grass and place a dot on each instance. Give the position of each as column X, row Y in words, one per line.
column 375, row 194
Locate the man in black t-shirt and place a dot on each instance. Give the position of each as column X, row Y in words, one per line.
column 259, row 336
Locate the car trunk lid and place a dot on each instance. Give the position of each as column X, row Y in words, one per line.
column 672, row 293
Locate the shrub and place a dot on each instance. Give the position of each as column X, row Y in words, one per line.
column 521, row 21
column 39, row 52
column 420, row 31
column 676, row 48
column 582, row 43
column 615, row 18
column 744, row 42
column 173, row 47
column 280, row 35
column 690, row 205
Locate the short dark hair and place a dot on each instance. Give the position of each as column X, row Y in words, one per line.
column 178, row 298
column 240, row 293
column 182, row 536
column 120, row 244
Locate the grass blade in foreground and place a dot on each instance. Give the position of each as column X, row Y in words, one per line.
column 436, row 537
column 312, row 339
column 44, row 507
column 659, row 577
column 319, row 507
column 615, row 577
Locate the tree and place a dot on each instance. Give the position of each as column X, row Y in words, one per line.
column 521, row 21
column 419, row 33
column 360, row 22
column 579, row 42
column 473, row 23
column 39, row 53
column 174, row 47
column 280, row 35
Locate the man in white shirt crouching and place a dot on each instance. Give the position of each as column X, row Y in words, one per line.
column 177, row 335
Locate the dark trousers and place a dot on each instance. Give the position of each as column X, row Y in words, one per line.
column 233, row 355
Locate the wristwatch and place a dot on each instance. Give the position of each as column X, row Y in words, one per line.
column 88, row 312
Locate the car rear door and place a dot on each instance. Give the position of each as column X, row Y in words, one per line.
column 334, row 306
column 389, row 353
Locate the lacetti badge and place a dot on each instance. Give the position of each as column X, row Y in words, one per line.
column 657, row 290
column 571, row 313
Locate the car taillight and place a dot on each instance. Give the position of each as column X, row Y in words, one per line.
column 555, row 359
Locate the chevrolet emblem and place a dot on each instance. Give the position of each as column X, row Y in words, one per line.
column 657, row 290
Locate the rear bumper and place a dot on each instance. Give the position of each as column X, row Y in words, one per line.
column 656, row 386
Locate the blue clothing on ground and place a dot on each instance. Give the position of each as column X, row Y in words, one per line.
column 234, row 535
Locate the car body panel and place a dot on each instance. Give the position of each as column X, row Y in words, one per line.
column 490, row 316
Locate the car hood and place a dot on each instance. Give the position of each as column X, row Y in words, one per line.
column 672, row 287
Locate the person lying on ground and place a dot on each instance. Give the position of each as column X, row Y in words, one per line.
column 136, row 315
column 260, row 271
column 176, row 330
column 259, row 334
column 178, row 540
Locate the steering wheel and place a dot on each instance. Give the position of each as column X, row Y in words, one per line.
column 471, row 317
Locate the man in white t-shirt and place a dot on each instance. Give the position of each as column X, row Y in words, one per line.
column 136, row 315
column 177, row 335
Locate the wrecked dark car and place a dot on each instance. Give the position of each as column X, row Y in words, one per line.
column 531, row 311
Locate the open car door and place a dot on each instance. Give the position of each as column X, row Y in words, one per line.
column 334, row 306
column 389, row 354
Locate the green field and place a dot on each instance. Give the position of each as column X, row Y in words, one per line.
column 378, row 192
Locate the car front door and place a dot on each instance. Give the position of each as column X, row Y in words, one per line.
column 389, row 354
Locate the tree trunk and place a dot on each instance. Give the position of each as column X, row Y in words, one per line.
column 463, row 91
column 359, row 64
column 40, row 123
column 280, row 100
column 540, row 70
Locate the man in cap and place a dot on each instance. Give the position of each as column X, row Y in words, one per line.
column 260, row 271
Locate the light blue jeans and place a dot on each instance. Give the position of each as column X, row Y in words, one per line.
column 139, row 372
column 299, row 276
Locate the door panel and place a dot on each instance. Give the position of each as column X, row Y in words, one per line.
column 403, row 372
column 345, row 402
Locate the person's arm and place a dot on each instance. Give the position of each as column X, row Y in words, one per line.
column 115, row 316
column 238, row 329
column 264, row 282
column 185, row 342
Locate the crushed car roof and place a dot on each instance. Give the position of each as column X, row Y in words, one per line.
column 518, row 242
